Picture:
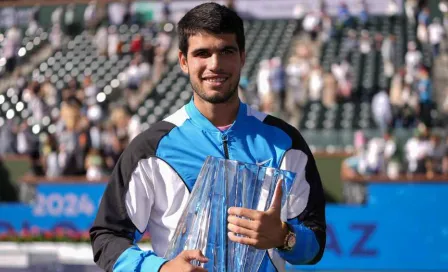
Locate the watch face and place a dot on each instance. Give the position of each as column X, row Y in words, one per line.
column 291, row 241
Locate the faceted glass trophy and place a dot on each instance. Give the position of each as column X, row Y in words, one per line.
column 222, row 184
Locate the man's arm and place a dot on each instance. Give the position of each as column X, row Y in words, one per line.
column 306, row 213
column 306, row 206
column 122, row 218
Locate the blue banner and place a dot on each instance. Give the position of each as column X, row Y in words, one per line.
column 402, row 226
column 71, row 206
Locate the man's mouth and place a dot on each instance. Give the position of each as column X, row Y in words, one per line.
column 218, row 79
column 215, row 79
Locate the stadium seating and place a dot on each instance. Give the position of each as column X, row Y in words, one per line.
column 368, row 79
column 30, row 44
column 76, row 59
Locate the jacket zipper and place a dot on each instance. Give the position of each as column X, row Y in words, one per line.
column 224, row 144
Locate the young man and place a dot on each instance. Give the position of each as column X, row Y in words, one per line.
column 150, row 185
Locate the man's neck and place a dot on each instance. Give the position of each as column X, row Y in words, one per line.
column 218, row 114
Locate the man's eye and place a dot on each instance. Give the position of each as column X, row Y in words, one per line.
column 202, row 54
column 227, row 52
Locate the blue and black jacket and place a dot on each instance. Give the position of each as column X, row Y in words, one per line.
column 151, row 183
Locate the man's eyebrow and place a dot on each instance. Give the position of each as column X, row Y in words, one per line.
column 227, row 47
column 198, row 50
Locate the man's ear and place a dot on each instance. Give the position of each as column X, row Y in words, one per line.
column 183, row 62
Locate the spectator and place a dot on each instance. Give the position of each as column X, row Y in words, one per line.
column 278, row 84
column 392, row 11
column 73, row 141
column 316, row 83
column 94, row 165
column 264, row 86
column 417, row 149
column 50, row 157
column 11, row 45
column 133, row 75
column 101, row 40
column 413, row 59
column 422, row 27
column 117, row 12
column 70, row 23
column 343, row 73
column 90, row 91
column 373, row 162
column 166, row 9
column 365, row 44
column 56, row 16
column 436, row 33
column 90, row 16
column 381, row 109
column 363, row 15
column 137, row 44
column 411, row 10
column 49, row 94
column 388, row 54
column 350, row 44
column 33, row 25
column 113, row 42
column 311, row 24
column 35, row 101
column 344, row 16
column 327, row 27
column 329, row 90
column 56, row 37
column 126, row 126
column 443, row 7
column 393, row 155
column 425, row 96
column 437, row 153
column 8, row 141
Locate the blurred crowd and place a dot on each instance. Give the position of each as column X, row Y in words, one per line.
column 425, row 153
column 85, row 135
column 408, row 101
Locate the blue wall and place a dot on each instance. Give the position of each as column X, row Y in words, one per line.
column 403, row 226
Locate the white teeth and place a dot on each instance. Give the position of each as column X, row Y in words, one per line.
column 215, row 79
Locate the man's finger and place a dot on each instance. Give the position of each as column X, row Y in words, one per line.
column 190, row 255
column 242, row 231
column 248, row 213
column 242, row 222
column 198, row 269
column 276, row 205
column 241, row 240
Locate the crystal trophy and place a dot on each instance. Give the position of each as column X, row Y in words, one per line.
column 222, row 184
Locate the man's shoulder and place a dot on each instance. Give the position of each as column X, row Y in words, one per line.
column 281, row 124
column 298, row 142
column 146, row 143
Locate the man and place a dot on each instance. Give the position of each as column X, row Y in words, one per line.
column 150, row 185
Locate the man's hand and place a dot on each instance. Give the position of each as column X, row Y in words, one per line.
column 182, row 262
column 263, row 230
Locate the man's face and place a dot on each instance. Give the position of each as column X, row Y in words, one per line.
column 213, row 64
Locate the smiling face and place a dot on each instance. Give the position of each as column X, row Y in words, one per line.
column 213, row 64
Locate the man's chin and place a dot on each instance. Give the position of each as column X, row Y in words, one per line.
column 218, row 98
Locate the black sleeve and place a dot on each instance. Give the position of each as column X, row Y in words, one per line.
column 113, row 231
column 313, row 216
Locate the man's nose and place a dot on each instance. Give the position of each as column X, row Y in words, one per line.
column 214, row 62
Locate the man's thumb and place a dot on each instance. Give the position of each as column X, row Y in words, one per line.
column 276, row 205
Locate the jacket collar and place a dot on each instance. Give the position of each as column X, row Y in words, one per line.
column 201, row 121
